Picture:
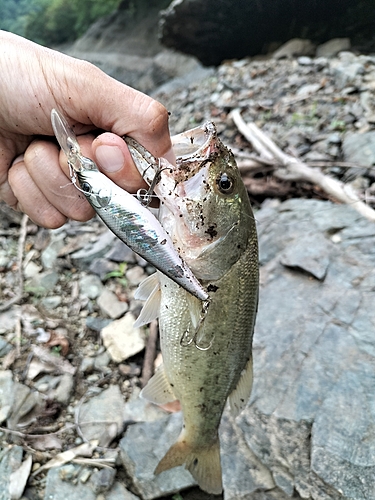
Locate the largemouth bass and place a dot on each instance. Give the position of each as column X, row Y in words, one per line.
column 206, row 347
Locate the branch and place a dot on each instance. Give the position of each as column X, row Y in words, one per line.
column 21, row 246
column 298, row 171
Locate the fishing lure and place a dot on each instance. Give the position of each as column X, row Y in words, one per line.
column 123, row 213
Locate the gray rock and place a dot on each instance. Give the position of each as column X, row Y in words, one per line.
column 102, row 361
column 10, row 461
column 64, row 390
column 90, row 286
column 333, row 47
column 110, row 305
column 8, row 319
column 360, row 150
column 6, row 394
column 295, row 47
column 314, row 358
column 101, row 417
column 58, row 488
column 101, row 267
column 93, row 250
column 52, row 302
column 135, row 275
column 5, row 347
column 103, row 479
column 51, row 252
column 97, row 324
column 142, row 446
column 121, row 253
column 43, row 283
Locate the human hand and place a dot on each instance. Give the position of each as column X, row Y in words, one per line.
column 34, row 175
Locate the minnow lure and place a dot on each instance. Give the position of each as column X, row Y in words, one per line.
column 123, row 213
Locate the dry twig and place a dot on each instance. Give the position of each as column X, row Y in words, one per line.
column 148, row 363
column 21, row 246
column 295, row 170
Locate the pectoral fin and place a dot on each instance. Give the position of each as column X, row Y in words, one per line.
column 148, row 290
column 158, row 390
column 241, row 394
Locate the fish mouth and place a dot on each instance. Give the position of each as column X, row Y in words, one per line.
column 192, row 148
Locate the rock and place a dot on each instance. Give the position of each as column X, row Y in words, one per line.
column 233, row 30
column 64, row 390
column 110, row 305
column 97, row 324
column 311, row 349
column 43, row 283
column 6, row 394
column 142, row 446
column 140, row 410
column 101, row 417
column 102, row 480
column 121, row 339
column 333, row 47
column 93, row 250
column 50, row 253
column 5, row 347
column 8, row 319
column 90, row 286
column 135, row 275
column 101, row 362
column 293, row 48
column 101, row 267
column 360, row 150
column 31, row 269
column 10, row 462
column 51, row 302
column 121, row 253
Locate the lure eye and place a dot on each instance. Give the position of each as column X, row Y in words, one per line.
column 225, row 183
column 85, row 186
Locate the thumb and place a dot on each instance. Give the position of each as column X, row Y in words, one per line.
column 112, row 156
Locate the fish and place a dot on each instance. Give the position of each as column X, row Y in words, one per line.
column 206, row 346
column 123, row 213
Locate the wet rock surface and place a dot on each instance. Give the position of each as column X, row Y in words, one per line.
column 308, row 431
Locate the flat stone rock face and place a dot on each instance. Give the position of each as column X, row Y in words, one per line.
column 312, row 411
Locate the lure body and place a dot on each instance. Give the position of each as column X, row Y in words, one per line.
column 123, row 214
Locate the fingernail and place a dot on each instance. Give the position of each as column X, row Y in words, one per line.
column 110, row 158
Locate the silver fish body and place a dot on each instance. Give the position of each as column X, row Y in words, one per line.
column 207, row 353
column 135, row 225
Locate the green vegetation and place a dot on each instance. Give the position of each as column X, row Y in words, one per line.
column 52, row 22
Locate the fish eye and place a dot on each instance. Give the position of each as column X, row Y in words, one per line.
column 225, row 183
column 85, row 186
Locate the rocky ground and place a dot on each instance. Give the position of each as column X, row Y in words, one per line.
column 72, row 365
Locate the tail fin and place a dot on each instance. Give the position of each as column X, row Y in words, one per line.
column 203, row 463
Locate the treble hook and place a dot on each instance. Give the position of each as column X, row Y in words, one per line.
column 197, row 339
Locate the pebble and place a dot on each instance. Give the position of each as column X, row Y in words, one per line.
column 121, row 339
column 93, row 250
column 90, row 286
column 111, row 305
column 102, row 267
column 135, row 275
column 121, row 253
column 52, row 302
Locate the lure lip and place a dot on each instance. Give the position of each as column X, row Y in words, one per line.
column 67, row 140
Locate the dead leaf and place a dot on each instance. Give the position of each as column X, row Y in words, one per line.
column 43, row 443
column 60, row 340
column 83, row 450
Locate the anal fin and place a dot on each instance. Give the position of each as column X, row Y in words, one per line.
column 240, row 396
column 158, row 389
